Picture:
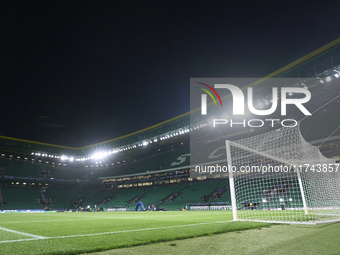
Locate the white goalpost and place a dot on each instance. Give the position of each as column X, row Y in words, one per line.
column 279, row 177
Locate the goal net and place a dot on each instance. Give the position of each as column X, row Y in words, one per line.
column 279, row 177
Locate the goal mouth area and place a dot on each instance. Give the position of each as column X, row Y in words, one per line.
column 296, row 222
column 292, row 193
column 292, row 216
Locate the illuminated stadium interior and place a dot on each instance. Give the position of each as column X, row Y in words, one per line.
column 152, row 165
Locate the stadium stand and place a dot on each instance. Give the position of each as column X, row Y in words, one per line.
column 20, row 198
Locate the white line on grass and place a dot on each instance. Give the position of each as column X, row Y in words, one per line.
column 22, row 233
column 21, row 240
column 113, row 232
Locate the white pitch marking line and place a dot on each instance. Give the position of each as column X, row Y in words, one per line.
column 113, row 232
column 21, row 240
column 22, row 233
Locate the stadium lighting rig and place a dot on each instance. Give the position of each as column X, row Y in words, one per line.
column 97, row 155
column 142, row 143
column 328, row 75
column 320, row 78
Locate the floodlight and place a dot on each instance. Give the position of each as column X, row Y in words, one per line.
column 99, row 155
column 63, row 157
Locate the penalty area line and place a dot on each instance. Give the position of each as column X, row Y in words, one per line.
column 107, row 233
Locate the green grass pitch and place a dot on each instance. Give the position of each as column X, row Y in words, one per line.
column 76, row 233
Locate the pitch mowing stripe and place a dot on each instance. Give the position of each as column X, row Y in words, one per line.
column 22, row 233
column 108, row 233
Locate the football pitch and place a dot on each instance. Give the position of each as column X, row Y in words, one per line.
column 86, row 232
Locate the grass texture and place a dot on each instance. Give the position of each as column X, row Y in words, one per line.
column 76, row 233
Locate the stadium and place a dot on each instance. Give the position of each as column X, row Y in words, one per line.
column 144, row 188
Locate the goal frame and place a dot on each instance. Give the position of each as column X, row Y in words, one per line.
column 232, row 183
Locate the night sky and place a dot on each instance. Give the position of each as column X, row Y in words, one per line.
column 80, row 72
